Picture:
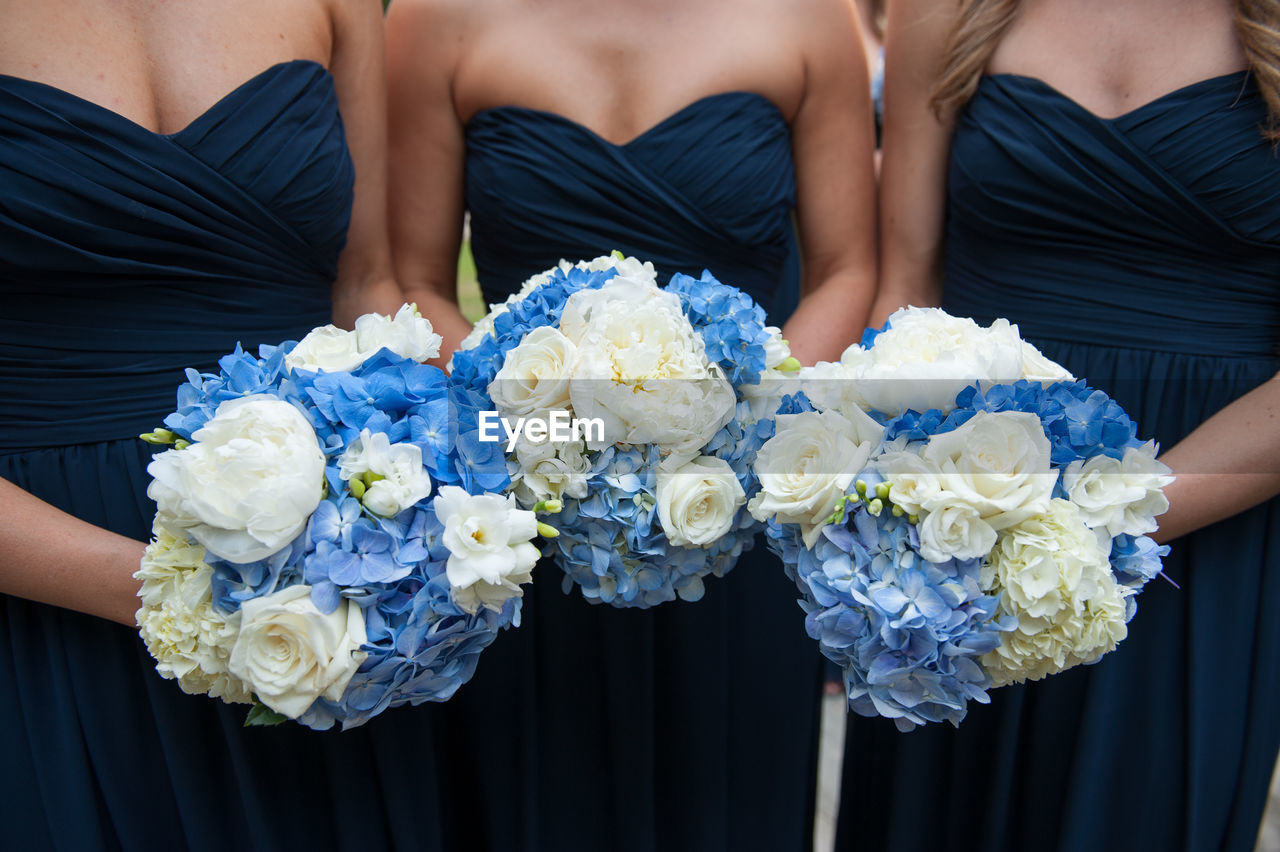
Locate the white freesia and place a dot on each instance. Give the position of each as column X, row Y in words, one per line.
column 290, row 653
column 534, row 378
column 776, row 348
column 189, row 638
column 1122, row 496
column 697, row 500
column 643, row 370
column 807, row 466
column 1051, row 572
column 490, row 554
column 327, row 348
column 407, row 334
column 249, row 482
column 927, row 356
column 399, row 480
column 545, row 470
column 996, row 462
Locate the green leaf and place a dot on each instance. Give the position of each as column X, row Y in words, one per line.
column 260, row 715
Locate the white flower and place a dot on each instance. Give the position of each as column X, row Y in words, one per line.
column 408, row 334
column 624, row 295
column 764, row 397
column 545, row 470
column 1051, row 572
column 915, row 481
column 776, row 349
column 806, row 467
column 998, row 463
column 698, row 500
column 954, row 530
column 189, row 638
column 833, row 386
column 927, row 356
column 490, row 554
column 1121, row 496
column 248, row 484
column 643, row 370
column 1037, row 368
column 399, row 479
column 290, row 653
column 534, row 378
column 327, row 348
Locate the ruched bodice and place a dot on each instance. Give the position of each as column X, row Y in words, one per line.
column 1124, row 228
column 1143, row 253
column 127, row 255
column 710, row 187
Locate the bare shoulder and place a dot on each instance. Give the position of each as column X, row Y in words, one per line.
column 436, row 20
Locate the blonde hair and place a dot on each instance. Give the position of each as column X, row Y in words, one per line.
column 981, row 24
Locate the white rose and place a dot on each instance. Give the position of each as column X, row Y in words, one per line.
column 806, row 467
column 534, row 378
column 1121, row 496
column 249, row 482
column 927, row 356
column 399, row 478
column 327, row 348
column 290, row 653
column 490, row 554
column 998, row 463
column 954, row 530
column 915, row 481
column 698, row 500
column 408, row 334
column 544, row 470
column 643, row 371
column 1037, row 368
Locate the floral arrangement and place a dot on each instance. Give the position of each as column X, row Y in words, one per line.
column 330, row 539
column 666, row 385
column 959, row 513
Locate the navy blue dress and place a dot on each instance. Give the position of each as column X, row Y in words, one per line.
column 690, row 725
column 125, row 257
column 1143, row 253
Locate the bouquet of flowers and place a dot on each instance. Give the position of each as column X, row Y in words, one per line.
column 629, row 408
column 958, row 513
column 330, row 539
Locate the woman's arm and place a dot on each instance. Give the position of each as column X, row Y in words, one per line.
column 365, row 281
column 916, row 145
column 49, row 556
column 426, row 149
column 833, row 141
column 1230, row 463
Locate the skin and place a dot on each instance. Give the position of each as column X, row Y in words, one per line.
column 1110, row 58
column 619, row 68
column 161, row 65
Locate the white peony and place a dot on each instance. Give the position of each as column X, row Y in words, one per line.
column 1051, row 572
column 490, row 554
column 189, row 638
column 290, row 653
column 398, row 478
column 327, row 348
column 807, row 466
column 998, row 463
column 697, row 500
column 407, row 334
column 927, row 356
column 249, row 482
column 643, row 371
column 625, row 295
column 534, row 378
column 1122, row 496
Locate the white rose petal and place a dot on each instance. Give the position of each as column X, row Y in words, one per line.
column 490, row 554
column 327, row 348
column 290, row 653
column 247, row 485
column 698, row 500
column 404, row 480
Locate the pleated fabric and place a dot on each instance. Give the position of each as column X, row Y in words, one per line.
column 1143, row 253
column 127, row 257
column 690, row 725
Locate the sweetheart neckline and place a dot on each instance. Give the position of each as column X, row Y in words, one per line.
column 1207, row 82
column 200, row 119
column 649, row 131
